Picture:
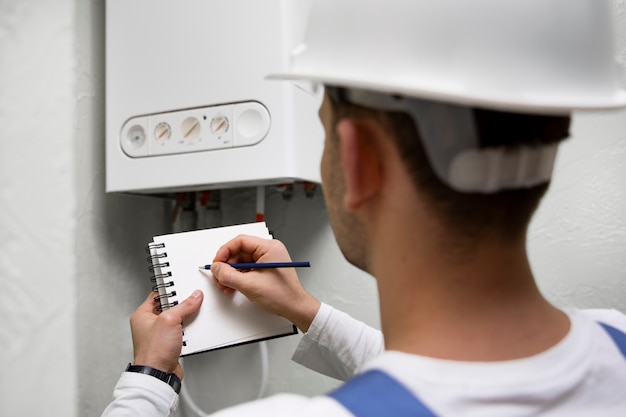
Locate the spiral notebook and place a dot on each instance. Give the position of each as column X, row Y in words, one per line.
column 223, row 320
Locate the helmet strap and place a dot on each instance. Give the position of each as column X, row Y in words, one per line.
column 449, row 137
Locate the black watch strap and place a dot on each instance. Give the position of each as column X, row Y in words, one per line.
column 171, row 379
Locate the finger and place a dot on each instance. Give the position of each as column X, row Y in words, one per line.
column 228, row 277
column 188, row 307
column 242, row 247
column 226, row 290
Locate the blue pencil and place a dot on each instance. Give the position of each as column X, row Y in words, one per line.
column 253, row 265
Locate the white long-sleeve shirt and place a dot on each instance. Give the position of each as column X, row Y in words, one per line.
column 583, row 375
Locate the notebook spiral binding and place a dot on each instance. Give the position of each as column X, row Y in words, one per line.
column 161, row 285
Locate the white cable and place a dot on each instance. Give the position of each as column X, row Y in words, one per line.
column 190, row 404
column 260, row 203
column 186, row 398
column 260, row 214
column 265, row 366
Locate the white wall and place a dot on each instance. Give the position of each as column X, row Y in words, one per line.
column 72, row 257
column 577, row 242
column 37, row 208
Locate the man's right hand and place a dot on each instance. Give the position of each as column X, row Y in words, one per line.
column 276, row 290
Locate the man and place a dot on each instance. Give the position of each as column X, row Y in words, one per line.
column 431, row 174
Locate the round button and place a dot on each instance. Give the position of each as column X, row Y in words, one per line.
column 136, row 136
column 190, row 128
column 250, row 123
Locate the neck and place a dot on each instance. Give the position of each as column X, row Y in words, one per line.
column 484, row 306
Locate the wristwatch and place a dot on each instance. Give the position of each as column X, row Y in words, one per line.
column 171, row 379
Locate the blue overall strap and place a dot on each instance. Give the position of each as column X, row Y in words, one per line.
column 376, row 394
column 618, row 337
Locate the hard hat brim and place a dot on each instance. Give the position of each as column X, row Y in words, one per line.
column 554, row 106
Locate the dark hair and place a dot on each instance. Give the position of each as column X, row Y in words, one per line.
column 470, row 216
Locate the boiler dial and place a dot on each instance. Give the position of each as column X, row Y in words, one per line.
column 219, row 125
column 162, row 131
column 190, row 129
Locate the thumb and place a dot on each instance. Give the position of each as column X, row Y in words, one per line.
column 189, row 306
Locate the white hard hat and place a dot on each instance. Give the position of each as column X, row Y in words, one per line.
column 441, row 57
column 546, row 56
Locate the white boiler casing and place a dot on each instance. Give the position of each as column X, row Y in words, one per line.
column 187, row 103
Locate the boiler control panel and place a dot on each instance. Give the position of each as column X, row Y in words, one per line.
column 194, row 130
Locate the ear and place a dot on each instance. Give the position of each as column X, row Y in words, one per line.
column 360, row 157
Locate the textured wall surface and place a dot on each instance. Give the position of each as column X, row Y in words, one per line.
column 577, row 241
column 37, row 200
column 111, row 232
column 72, row 257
